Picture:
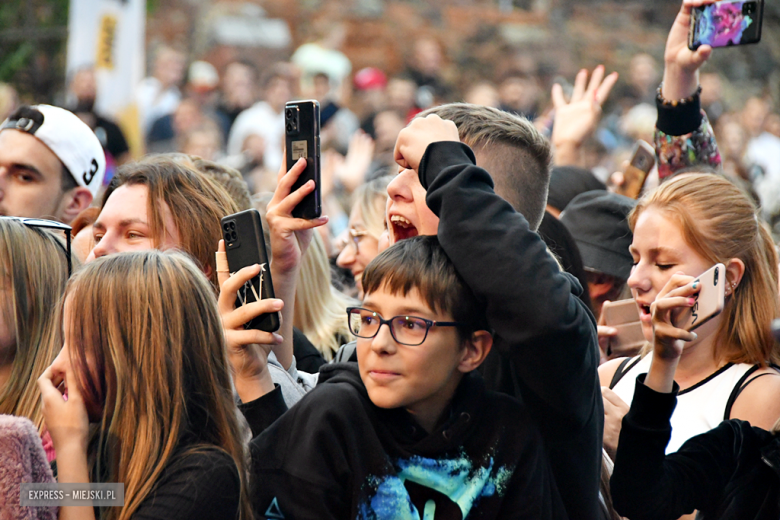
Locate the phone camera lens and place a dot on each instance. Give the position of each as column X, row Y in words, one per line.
column 748, row 8
column 289, row 113
column 232, row 225
column 289, row 127
column 233, row 235
column 227, row 237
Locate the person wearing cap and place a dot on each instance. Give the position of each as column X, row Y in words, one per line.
column 566, row 182
column 598, row 222
column 51, row 164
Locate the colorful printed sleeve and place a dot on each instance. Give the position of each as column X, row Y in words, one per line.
column 676, row 152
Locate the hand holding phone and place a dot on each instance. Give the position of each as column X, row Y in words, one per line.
column 709, row 301
column 302, row 140
column 726, row 23
column 245, row 246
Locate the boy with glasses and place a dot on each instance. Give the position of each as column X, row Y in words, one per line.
column 410, row 431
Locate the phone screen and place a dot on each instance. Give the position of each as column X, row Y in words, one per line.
column 726, row 23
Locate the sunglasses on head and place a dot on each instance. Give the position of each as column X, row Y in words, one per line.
column 39, row 223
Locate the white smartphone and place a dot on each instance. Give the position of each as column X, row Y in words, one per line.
column 709, row 300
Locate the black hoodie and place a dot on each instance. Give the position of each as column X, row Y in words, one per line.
column 337, row 455
column 545, row 351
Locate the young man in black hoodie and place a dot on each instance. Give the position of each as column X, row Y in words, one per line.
column 546, row 349
column 410, row 432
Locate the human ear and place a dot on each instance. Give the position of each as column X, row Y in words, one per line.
column 735, row 270
column 74, row 202
column 475, row 350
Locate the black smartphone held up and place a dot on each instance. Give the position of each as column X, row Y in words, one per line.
column 302, row 139
column 245, row 245
column 726, row 23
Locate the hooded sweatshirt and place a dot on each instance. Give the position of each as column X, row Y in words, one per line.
column 337, row 455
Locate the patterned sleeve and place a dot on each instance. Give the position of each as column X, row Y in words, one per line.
column 676, row 152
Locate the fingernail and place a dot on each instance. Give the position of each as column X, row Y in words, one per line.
column 277, row 338
column 695, row 336
column 278, row 304
column 691, row 301
column 695, row 285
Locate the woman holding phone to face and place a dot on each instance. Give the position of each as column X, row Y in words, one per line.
column 149, row 397
column 731, row 472
column 681, row 229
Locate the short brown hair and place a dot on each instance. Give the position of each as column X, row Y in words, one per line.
column 421, row 263
column 519, row 156
column 196, row 202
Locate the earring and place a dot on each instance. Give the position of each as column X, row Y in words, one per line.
column 731, row 288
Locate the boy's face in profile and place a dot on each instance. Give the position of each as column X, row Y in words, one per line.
column 420, row 378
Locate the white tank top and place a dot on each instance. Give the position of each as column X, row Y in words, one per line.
column 699, row 409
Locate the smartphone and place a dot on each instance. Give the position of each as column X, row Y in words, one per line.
column 726, row 23
column 635, row 174
column 245, row 245
column 709, row 300
column 623, row 315
column 302, row 139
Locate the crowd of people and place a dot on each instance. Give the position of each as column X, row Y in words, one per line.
column 491, row 236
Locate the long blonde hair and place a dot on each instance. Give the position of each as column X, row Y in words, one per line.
column 148, row 345
column 719, row 221
column 320, row 309
column 34, row 271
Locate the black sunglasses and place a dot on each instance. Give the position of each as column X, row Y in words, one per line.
column 39, row 223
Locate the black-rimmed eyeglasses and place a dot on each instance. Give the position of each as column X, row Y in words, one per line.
column 406, row 330
column 40, row 223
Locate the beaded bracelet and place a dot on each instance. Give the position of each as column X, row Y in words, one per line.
column 674, row 103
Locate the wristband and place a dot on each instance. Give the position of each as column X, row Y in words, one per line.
column 675, row 102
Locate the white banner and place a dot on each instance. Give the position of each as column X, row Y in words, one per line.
column 109, row 36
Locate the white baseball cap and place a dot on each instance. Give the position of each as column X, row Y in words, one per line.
column 71, row 140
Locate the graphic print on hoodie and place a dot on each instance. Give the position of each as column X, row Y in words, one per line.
column 429, row 489
column 335, row 455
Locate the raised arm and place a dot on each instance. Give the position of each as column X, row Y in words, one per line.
column 683, row 134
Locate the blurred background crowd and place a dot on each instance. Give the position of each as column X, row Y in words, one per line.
column 219, row 72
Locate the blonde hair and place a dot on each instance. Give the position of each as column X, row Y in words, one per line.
column 371, row 198
column 719, row 221
column 152, row 356
column 320, row 309
column 34, row 271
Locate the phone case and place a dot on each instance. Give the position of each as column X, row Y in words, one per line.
column 302, row 139
column 726, row 23
column 642, row 161
column 620, row 312
column 623, row 315
column 245, row 245
column 709, row 300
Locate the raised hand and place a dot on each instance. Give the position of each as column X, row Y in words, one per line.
column 290, row 236
column 359, row 155
column 578, row 118
column 414, row 139
column 681, row 65
column 668, row 340
column 247, row 349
